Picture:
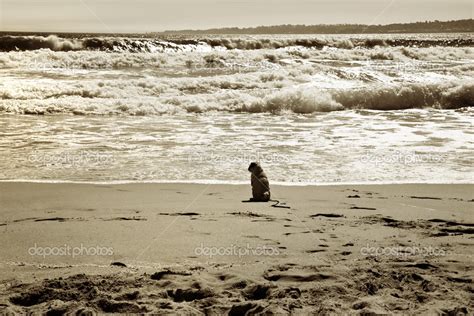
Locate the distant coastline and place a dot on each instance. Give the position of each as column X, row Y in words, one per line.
column 455, row 26
column 418, row 27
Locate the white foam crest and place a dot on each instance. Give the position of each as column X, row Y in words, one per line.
column 132, row 98
column 300, row 100
column 44, row 60
column 52, row 42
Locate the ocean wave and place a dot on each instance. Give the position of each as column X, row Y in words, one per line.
column 399, row 97
column 302, row 100
column 151, row 45
column 209, row 63
column 320, row 43
column 52, row 42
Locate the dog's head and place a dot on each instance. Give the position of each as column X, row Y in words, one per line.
column 255, row 167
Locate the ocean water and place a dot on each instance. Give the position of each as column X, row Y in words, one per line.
column 311, row 108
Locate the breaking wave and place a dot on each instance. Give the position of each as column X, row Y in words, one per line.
column 52, row 42
column 302, row 100
column 55, row 43
column 401, row 97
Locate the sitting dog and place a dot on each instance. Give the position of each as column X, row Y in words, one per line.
column 260, row 184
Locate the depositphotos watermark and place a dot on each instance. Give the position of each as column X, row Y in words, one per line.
column 70, row 251
column 401, row 251
column 241, row 158
column 402, row 158
column 235, row 251
column 67, row 67
column 70, row 159
column 218, row 66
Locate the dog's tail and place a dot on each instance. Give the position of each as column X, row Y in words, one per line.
column 277, row 204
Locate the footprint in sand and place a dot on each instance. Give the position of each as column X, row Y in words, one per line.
column 457, row 231
column 447, row 228
column 450, row 223
column 466, row 280
column 425, row 198
column 248, row 214
column 267, row 219
column 295, row 274
column 329, row 215
column 257, row 217
column 362, row 208
column 422, row 265
column 179, row 214
column 315, row 250
column 48, row 219
column 303, row 232
column 246, row 309
column 52, row 219
column 122, row 218
column 162, row 274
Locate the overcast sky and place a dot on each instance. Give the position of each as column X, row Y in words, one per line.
column 158, row 15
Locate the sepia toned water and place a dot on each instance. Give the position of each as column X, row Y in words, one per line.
column 311, row 109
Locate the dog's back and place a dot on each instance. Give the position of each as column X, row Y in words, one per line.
column 260, row 183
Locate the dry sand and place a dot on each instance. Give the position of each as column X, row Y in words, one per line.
column 376, row 249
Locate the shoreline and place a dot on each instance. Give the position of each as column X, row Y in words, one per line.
column 233, row 183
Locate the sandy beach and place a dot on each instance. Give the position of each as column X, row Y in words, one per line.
column 198, row 249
